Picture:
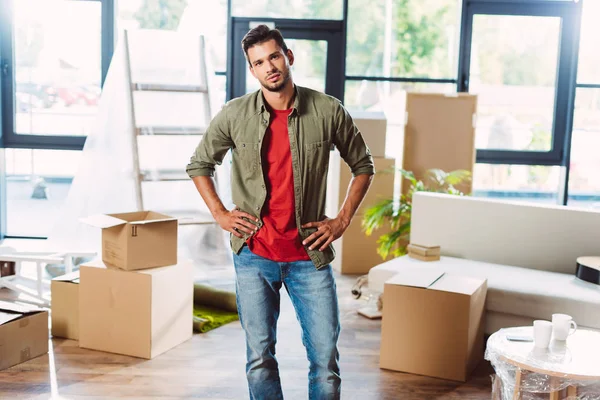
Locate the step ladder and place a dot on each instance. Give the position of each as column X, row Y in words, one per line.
column 157, row 134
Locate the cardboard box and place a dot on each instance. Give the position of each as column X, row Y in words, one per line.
column 339, row 177
column 23, row 333
column 138, row 313
column 137, row 240
column 373, row 127
column 65, row 306
column 427, row 140
column 433, row 323
column 356, row 253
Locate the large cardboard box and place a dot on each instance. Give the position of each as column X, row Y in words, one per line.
column 433, row 323
column 64, row 290
column 138, row 313
column 356, row 253
column 23, row 333
column 373, row 128
column 339, row 177
column 137, row 240
column 446, row 141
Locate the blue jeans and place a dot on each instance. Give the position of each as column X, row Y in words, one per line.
column 313, row 294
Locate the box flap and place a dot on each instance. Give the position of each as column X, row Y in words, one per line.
column 7, row 317
column 458, row 284
column 102, row 221
column 420, row 276
column 18, row 307
column 71, row 277
column 151, row 221
column 12, row 311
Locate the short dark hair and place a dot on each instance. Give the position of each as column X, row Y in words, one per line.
column 261, row 34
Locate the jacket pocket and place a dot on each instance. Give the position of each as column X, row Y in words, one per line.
column 247, row 154
column 317, row 154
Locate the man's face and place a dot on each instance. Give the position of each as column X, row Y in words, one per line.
column 270, row 65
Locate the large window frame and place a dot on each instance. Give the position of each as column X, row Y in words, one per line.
column 8, row 137
column 566, row 72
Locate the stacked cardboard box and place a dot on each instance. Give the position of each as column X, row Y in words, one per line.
column 137, row 298
column 423, row 253
column 356, row 252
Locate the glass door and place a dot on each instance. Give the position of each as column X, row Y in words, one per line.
column 317, row 45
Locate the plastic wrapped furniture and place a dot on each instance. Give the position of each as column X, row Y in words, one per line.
column 565, row 370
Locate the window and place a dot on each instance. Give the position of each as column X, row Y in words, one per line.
column 588, row 70
column 299, row 9
column 56, row 71
column 403, row 38
column 206, row 17
column 584, row 180
column 514, row 62
column 517, row 182
column 38, row 182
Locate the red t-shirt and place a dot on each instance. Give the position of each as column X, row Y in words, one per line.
column 278, row 239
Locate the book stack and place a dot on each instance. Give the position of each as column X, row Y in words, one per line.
column 423, row 253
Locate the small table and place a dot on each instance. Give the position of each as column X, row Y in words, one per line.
column 565, row 364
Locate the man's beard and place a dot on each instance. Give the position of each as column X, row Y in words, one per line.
column 279, row 87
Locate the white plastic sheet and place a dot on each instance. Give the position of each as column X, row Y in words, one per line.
column 530, row 373
column 105, row 180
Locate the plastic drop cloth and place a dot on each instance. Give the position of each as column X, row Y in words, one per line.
column 575, row 362
column 104, row 182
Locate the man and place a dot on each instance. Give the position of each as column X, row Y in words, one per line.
column 280, row 138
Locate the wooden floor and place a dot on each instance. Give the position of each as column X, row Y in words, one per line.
column 211, row 366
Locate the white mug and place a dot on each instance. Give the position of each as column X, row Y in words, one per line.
column 542, row 332
column 561, row 326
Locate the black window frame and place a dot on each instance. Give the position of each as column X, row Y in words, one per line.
column 8, row 137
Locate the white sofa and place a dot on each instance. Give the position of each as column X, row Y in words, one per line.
column 526, row 251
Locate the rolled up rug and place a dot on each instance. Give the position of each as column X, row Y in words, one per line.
column 213, row 307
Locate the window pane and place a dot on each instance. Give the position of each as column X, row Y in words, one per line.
column 517, row 182
column 37, row 183
column 588, row 70
column 513, row 71
column 403, row 38
column 196, row 17
column 302, row 9
column 57, row 66
column 584, row 179
column 389, row 98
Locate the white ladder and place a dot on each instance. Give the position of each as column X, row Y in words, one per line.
column 141, row 131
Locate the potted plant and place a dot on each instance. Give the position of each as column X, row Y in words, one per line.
column 396, row 213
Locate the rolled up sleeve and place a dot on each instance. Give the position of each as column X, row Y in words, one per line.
column 351, row 144
column 212, row 148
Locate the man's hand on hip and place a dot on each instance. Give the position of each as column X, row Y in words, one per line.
column 328, row 230
column 233, row 221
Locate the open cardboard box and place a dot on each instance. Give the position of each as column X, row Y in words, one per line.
column 433, row 323
column 137, row 240
column 23, row 333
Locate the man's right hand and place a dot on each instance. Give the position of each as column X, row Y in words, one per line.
column 233, row 221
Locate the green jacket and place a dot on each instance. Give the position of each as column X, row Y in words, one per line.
column 316, row 123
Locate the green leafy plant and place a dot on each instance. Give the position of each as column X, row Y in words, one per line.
column 396, row 213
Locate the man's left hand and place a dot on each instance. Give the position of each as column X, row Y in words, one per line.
column 328, row 230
